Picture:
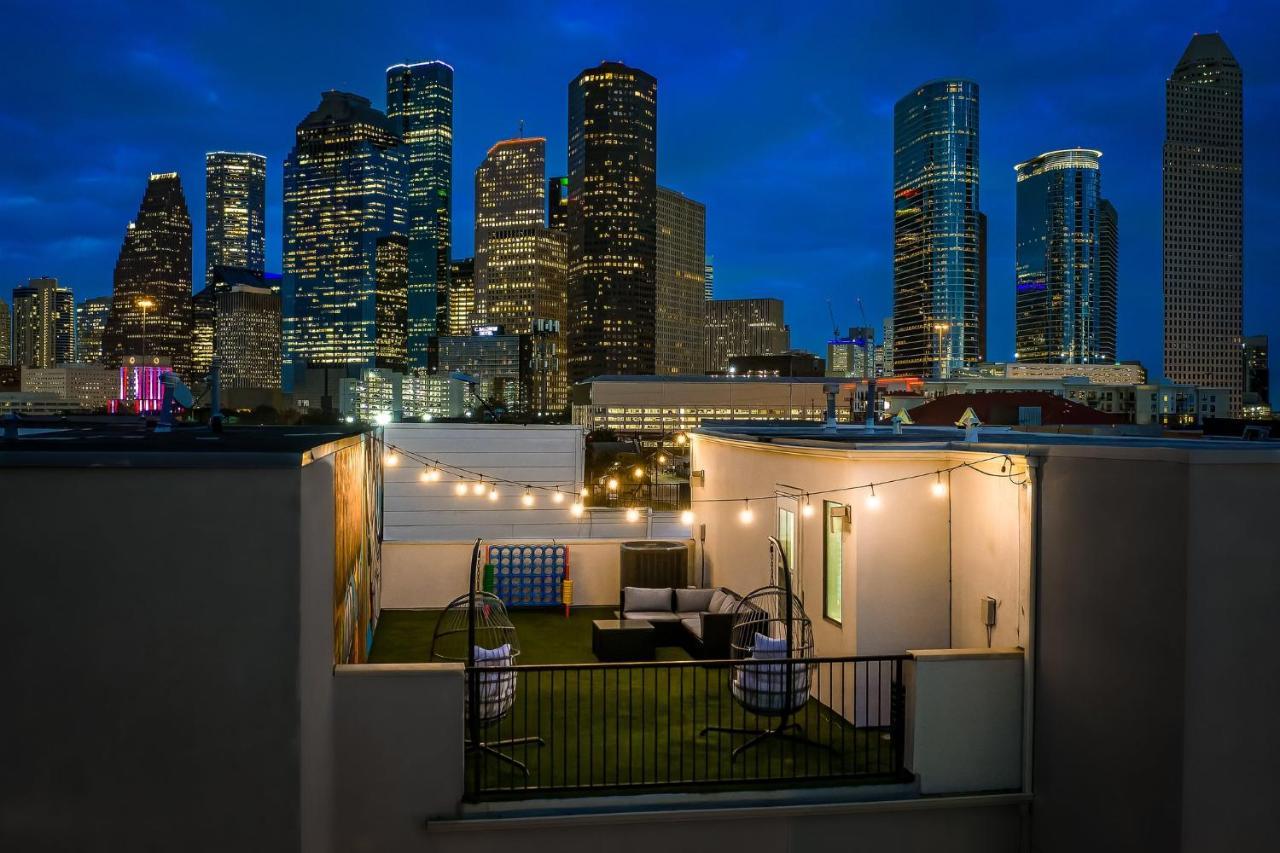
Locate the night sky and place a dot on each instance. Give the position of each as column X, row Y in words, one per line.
column 779, row 118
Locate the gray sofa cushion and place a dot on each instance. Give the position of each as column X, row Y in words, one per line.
column 717, row 600
column 693, row 600
column 652, row 615
column 694, row 625
column 729, row 604
column 643, row 598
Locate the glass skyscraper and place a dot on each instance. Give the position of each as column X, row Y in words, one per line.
column 613, row 189
column 44, row 324
column 235, row 193
column 420, row 107
column 1058, row 258
column 91, row 324
column 938, row 285
column 681, row 328
column 1108, row 279
column 344, row 190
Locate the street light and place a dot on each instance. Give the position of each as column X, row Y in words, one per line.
column 144, row 303
column 943, row 366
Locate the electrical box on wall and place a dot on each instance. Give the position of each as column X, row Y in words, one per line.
column 989, row 605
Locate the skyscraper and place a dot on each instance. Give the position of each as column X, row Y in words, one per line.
column 613, row 148
column 6, row 334
column 1257, row 382
column 520, row 263
column 204, row 329
column 44, row 324
column 744, row 327
column 1108, row 279
column 1058, row 295
column 344, row 189
column 235, row 192
column 91, row 325
column 151, row 301
column 558, row 203
column 681, row 333
column 420, row 107
column 1204, row 218
column 391, row 302
column 248, row 337
column 937, row 233
column 462, row 296
column 709, row 278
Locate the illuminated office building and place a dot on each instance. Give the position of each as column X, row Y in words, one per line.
column 681, row 333
column 462, row 296
column 1058, row 259
column 1204, row 218
column 499, row 362
column 248, row 337
column 938, row 285
column 613, row 148
column 91, row 325
column 520, row 263
column 558, row 203
column 151, row 300
column 1108, row 279
column 235, row 191
column 204, row 328
column 1257, row 383
column 6, row 334
column 709, row 278
column 738, row 327
column 44, row 324
column 344, row 189
column 420, row 107
column 391, row 302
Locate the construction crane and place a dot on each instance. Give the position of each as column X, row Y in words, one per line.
column 835, row 330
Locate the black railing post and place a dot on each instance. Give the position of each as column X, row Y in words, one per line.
column 897, row 716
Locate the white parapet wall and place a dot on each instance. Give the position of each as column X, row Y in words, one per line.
column 964, row 719
column 419, row 575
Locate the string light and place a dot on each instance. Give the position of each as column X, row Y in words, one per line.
column 939, row 488
column 681, row 438
column 390, row 458
column 612, row 485
column 527, row 497
column 807, row 509
column 873, row 500
column 638, row 472
column 478, row 488
column 584, row 491
column 746, row 516
column 686, row 517
column 576, row 509
column 425, row 476
column 558, row 496
column 633, row 514
column 460, row 488
column 662, row 460
column 493, row 493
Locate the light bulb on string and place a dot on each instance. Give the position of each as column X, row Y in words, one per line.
column 633, row 514
column 576, row 509
column 638, row 472
column 681, row 438
column 425, row 475
column 584, row 491
column 527, row 497
column 662, row 460
column 391, row 458
column 434, row 474
column 686, row 517
column 478, row 488
column 746, row 516
column 612, row 485
column 807, row 509
column 873, row 500
column 493, row 493
column 939, row 488
column 558, row 496
column 460, row 488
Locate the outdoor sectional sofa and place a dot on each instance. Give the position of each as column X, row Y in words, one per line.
column 700, row 620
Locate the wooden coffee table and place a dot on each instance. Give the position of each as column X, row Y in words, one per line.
column 622, row 639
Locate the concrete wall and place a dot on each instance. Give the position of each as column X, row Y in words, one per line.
column 431, row 574
column 151, row 687
column 964, row 720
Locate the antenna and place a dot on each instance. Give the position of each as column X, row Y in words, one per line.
column 520, row 135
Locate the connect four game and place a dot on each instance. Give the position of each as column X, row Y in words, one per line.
column 529, row 575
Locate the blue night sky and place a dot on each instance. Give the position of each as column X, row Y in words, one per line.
column 779, row 118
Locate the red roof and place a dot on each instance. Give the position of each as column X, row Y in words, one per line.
column 1000, row 408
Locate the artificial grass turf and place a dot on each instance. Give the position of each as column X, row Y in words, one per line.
column 607, row 727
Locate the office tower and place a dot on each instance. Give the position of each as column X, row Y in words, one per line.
column 520, row 263
column 1204, row 218
column 613, row 146
column 1058, row 259
column 500, row 362
column 44, row 324
column 738, row 327
column 1108, row 279
column 235, row 193
column 681, row 338
column 204, row 330
column 709, row 278
column 151, row 301
column 462, row 296
column 558, row 203
column 391, row 303
column 937, row 279
column 982, row 286
column 248, row 337
column 886, row 346
column 344, row 189
column 6, row 334
column 91, row 325
column 420, row 107
column 1257, row 383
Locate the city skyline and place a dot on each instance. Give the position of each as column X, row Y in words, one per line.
column 834, row 157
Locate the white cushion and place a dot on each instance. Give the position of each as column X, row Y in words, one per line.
column 646, row 598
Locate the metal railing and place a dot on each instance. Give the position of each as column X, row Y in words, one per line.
column 611, row 727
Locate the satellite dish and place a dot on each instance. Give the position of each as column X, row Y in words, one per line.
column 459, row 376
column 181, row 393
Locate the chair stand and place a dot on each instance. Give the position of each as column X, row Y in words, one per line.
column 490, row 747
column 791, row 731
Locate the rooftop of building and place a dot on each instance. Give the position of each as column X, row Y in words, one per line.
column 1004, row 409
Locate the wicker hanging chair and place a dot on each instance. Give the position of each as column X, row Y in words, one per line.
column 772, row 646
column 476, row 630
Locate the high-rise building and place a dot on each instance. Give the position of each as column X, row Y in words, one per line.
column 1108, row 279
column 681, row 335
column 1257, row 381
column 937, row 230
column 235, row 194
column 6, row 334
column 1058, row 297
column 558, row 202
column 497, row 360
column 204, row 330
column 520, row 263
column 151, row 301
column 91, row 325
column 344, row 189
column 738, row 327
column 855, row 355
column 1204, row 218
column 391, row 303
column 886, row 346
column 613, row 155
column 205, row 318
column 248, row 337
column 44, row 324
column 709, row 278
column 462, row 296
column 420, row 107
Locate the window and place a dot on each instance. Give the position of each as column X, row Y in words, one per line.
column 832, row 560
column 787, row 537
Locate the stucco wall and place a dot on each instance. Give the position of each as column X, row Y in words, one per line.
column 990, row 556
